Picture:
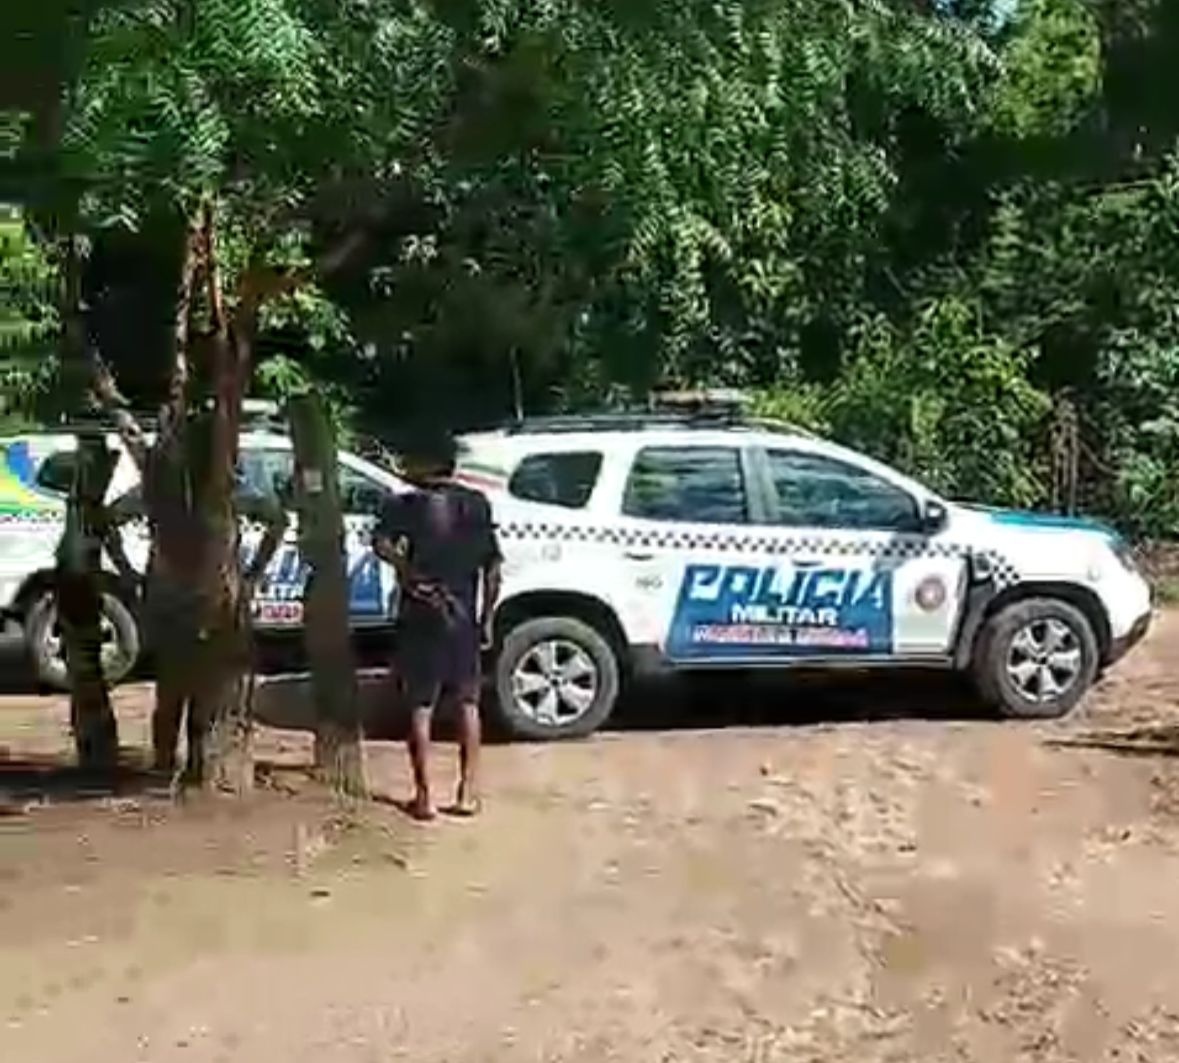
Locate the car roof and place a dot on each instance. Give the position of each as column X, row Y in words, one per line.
column 506, row 441
column 502, row 448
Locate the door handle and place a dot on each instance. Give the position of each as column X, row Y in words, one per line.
column 637, row 555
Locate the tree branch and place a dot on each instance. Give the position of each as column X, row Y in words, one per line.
column 260, row 283
column 176, row 402
column 216, row 294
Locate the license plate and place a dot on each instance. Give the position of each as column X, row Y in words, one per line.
column 278, row 614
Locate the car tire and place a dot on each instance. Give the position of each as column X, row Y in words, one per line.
column 48, row 661
column 532, row 701
column 1036, row 659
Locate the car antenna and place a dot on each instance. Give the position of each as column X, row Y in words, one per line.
column 517, row 385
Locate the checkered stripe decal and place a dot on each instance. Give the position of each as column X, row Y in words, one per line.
column 995, row 565
column 990, row 562
column 32, row 518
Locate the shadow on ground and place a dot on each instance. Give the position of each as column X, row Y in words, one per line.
column 699, row 701
column 784, row 699
column 47, row 779
column 1156, row 741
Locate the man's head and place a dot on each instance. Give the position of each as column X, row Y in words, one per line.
column 427, row 453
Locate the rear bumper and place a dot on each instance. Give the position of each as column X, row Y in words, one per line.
column 1120, row 647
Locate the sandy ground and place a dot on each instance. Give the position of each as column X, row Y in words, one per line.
column 862, row 890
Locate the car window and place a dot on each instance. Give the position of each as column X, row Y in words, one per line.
column 359, row 494
column 268, row 471
column 56, row 472
column 273, row 470
column 813, row 491
column 702, row 484
column 564, row 479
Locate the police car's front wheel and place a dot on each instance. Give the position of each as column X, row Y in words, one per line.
column 555, row 677
column 1036, row 659
column 45, row 640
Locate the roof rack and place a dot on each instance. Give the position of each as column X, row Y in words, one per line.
column 89, row 423
column 620, row 421
column 699, row 400
column 666, row 409
column 682, row 409
column 257, row 415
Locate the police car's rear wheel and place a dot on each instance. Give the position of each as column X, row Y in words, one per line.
column 555, row 677
column 1036, row 659
column 46, row 642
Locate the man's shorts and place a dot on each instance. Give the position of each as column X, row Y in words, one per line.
column 436, row 659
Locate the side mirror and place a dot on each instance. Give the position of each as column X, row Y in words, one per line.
column 934, row 516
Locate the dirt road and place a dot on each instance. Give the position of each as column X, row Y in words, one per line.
column 893, row 890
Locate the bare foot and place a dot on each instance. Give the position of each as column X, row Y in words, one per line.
column 421, row 809
column 466, row 804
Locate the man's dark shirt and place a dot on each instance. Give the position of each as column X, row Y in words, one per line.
column 450, row 537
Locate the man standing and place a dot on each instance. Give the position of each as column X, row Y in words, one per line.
column 441, row 542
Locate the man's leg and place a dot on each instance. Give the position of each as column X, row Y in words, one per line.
column 418, row 744
column 465, row 685
column 470, row 738
column 418, row 656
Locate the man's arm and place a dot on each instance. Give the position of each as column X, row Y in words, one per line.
column 492, row 575
column 390, row 542
column 492, row 582
column 395, row 553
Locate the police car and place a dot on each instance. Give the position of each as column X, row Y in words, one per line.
column 681, row 541
column 36, row 470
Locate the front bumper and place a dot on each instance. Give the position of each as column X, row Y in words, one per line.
column 1120, row 647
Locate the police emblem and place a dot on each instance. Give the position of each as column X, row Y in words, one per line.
column 931, row 594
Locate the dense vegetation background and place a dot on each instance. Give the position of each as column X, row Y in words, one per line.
column 944, row 232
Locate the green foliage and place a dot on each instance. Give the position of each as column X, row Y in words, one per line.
column 798, row 402
column 940, row 398
column 735, row 161
column 28, row 322
column 909, row 225
column 947, row 401
column 287, row 114
column 1051, row 69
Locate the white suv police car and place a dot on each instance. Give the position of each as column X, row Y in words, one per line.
column 36, row 470
column 676, row 542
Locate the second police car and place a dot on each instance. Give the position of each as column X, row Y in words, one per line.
column 35, row 473
column 637, row 543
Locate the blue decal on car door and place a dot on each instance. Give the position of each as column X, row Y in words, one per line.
column 736, row 612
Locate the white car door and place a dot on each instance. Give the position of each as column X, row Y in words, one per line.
column 371, row 583
column 689, row 551
column 278, row 598
column 858, row 570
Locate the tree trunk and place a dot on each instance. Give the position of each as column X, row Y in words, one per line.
column 79, row 556
column 339, row 753
column 79, row 608
column 225, row 703
column 224, row 709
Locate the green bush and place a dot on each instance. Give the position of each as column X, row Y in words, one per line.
column 941, row 399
